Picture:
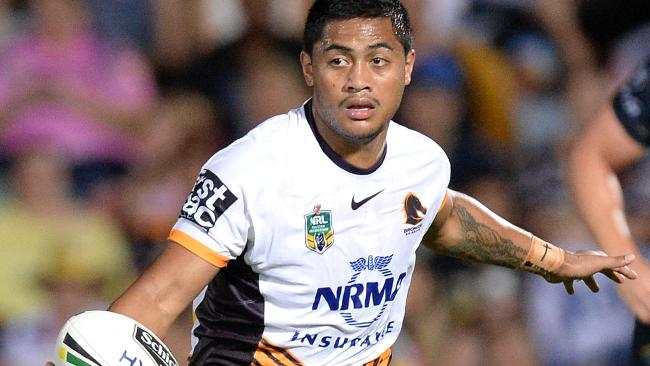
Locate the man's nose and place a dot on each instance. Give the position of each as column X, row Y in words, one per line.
column 358, row 78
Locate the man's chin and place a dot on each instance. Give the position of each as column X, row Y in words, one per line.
column 361, row 136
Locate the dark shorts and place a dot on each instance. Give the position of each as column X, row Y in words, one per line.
column 641, row 345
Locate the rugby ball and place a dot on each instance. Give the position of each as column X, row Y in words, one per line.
column 104, row 338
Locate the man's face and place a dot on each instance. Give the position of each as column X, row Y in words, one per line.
column 358, row 72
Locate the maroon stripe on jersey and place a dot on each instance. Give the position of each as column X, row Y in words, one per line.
column 231, row 318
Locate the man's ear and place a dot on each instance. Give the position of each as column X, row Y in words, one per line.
column 408, row 66
column 307, row 69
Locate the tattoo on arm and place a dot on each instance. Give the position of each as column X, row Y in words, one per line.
column 483, row 244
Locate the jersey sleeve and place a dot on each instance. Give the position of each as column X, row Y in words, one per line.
column 632, row 105
column 213, row 222
column 441, row 181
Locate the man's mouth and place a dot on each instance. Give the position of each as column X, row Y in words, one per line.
column 359, row 109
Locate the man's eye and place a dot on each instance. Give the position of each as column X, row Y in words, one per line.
column 379, row 61
column 337, row 61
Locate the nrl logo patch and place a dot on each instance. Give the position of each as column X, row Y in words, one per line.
column 319, row 235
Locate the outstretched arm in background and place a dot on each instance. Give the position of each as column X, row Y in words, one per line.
column 466, row 229
column 603, row 149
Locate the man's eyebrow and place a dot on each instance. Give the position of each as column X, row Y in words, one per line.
column 337, row 47
column 381, row 45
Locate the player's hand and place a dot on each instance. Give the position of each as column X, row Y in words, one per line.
column 636, row 294
column 583, row 265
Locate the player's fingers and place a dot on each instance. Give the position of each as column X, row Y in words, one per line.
column 591, row 283
column 621, row 274
column 568, row 285
column 626, row 272
column 613, row 275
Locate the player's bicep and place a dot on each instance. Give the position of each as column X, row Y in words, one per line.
column 442, row 216
column 458, row 214
column 181, row 272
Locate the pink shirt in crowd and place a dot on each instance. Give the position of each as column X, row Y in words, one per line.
column 118, row 80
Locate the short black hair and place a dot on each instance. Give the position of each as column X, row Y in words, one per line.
column 323, row 11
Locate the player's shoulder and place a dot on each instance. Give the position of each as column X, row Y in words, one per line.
column 263, row 146
column 411, row 142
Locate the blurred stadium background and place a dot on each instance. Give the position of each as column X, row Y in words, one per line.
column 108, row 108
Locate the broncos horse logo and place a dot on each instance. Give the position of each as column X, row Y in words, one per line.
column 413, row 210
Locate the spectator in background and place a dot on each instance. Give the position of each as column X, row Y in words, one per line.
column 254, row 77
column 576, row 330
column 60, row 85
column 619, row 34
column 435, row 104
column 462, row 91
column 542, row 118
column 498, row 308
column 174, row 50
column 437, row 22
column 209, row 25
column 182, row 136
column 125, row 23
column 11, row 21
column 601, row 42
column 73, row 285
column 40, row 223
column 434, row 323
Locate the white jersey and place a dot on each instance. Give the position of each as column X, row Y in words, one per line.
column 316, row 255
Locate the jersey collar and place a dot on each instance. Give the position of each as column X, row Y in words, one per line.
column 332, row 155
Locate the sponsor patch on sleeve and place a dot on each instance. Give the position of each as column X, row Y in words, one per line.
column 209, row 199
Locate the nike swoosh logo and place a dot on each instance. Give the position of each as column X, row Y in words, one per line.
column 355, row 205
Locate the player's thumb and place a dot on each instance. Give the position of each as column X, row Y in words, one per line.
column 627, row 259
column 619, row 260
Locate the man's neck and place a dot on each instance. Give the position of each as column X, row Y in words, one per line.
column 362, row 156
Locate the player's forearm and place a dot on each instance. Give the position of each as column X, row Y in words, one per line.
column 165, row 289
column 475, row 233
column 599, row 200
column 144, row 305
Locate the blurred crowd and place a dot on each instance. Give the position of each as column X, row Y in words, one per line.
column 109, row 108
